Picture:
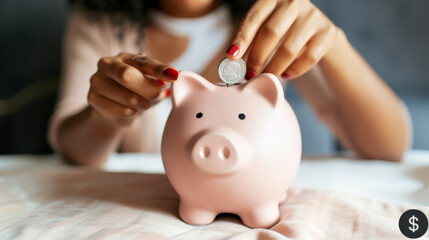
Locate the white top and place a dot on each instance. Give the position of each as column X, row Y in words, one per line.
column 213, row 29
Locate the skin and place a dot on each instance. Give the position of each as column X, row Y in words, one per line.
column 123, row 87
column 373, row 122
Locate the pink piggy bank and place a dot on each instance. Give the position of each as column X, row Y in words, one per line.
column 230, row 149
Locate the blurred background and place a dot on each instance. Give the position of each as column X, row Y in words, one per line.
column 393, row 35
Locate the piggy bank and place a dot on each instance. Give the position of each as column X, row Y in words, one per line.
column 230, row 149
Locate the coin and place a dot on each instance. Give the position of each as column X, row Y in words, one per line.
column 231, row 72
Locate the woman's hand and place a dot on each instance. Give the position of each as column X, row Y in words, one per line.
column 126, row 84
column 302, row 33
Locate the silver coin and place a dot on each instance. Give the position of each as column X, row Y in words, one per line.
column 231, row 72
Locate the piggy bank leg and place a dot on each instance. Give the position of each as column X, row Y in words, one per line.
column 193, row 214
column 262, row 216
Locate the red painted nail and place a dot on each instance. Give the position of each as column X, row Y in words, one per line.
column 233, row 50
column 162, row 83
column 250, row 74
column 285, row 75
column 171, row 73
column 167, row 92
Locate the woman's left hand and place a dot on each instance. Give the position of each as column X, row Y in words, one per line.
column 302, row 33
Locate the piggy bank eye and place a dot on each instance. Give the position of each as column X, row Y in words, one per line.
column 241, row 116
column 199, row 115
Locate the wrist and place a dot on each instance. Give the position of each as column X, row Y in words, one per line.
column 99, row 120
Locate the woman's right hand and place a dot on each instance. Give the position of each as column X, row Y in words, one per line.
column 127, row 84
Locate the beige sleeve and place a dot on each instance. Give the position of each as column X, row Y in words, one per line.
column 85, row 42
column 313, row 87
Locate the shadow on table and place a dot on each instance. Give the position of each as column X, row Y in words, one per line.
column 422, row 175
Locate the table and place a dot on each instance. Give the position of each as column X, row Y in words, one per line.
column 406, row 182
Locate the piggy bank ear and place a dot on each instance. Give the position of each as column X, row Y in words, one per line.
column 186, row 83
column 268, row 86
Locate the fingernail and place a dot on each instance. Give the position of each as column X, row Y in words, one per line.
column 250, row 74
column 285, row 75
column 171, row 73
column 167, row 92
column 233, row 50
column 162, row 83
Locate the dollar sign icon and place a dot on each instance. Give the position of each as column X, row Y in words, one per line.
column 414, row 226
column 413, row 223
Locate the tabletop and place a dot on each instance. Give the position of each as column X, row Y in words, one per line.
column 405, row 182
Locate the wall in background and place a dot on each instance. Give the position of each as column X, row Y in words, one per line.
column 30, row 40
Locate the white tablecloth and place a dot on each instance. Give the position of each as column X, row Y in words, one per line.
column 406, row 182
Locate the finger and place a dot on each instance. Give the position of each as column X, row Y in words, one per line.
column 270, row 35
column 111, row 110
column 248, row 28
column 163, row 95
column 296, row 39
column 112, row 90
column 153, row 68
column 129, row 77
column 316, row 48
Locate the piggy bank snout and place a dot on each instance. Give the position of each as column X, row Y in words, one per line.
column 218, row 153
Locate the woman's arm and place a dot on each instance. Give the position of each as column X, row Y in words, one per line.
column 117, row 89
column 290, row 37
column 375, row 121
column 85, row 138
